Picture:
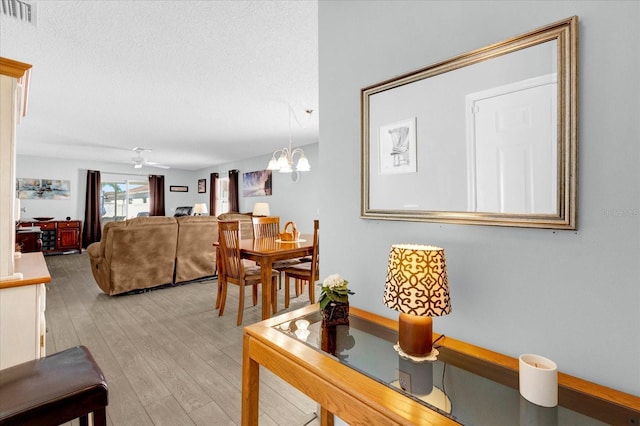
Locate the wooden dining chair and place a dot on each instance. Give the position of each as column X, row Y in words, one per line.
column 234, row 271
column 269, row 227
column 308, row 272
column 265, row 226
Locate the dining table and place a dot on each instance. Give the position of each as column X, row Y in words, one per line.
column 268, row 250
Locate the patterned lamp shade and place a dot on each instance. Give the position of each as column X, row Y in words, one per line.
column 417, row 281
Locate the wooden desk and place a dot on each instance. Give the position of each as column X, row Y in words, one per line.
column 359, row 399
column 266, row 251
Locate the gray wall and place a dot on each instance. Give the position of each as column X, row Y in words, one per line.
column 76, row 172
column 291, row 201
column 571, row 296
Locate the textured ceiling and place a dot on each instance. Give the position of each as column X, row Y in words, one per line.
column 199, row 82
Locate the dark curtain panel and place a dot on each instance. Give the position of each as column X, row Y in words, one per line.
column 156, row 193
column 92, row 230
column 234, row 200
column 213, row 193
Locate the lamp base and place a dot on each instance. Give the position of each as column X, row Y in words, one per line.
column 415, row 334
column 431, row 356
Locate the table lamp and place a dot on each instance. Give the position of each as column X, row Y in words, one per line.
column 261, row 209
column 199, row 209
column 417, row 286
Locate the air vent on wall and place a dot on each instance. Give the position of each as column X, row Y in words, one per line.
column 20, row 9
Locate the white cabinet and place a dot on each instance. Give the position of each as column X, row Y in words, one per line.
column 22, row 312
column 14, row 84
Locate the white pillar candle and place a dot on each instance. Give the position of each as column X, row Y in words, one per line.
column 538, row 380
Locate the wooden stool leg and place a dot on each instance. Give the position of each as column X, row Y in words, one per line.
column 100, row 417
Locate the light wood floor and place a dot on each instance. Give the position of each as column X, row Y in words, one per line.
column 167, row 356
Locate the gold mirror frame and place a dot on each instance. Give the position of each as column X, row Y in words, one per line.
column 564, row 33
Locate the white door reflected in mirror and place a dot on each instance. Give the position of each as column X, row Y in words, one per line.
column 512, row 148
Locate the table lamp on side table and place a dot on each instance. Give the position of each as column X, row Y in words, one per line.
column 261, row 209
column 199, row 209
column 417, row 286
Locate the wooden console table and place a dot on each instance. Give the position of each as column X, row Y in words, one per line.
column 357, row 382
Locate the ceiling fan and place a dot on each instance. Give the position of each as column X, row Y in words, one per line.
column 138, row 161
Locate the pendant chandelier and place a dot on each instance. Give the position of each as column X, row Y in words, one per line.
column 286, row 156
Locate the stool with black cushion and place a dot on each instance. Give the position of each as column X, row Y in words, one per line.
column 54, row 390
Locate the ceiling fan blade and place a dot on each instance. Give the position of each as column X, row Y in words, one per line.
column 139, row 150
column 158, row 165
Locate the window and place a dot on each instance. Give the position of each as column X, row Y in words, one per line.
column 124, row 198
column 222, row 201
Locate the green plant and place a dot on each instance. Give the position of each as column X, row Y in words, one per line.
column 334, row 289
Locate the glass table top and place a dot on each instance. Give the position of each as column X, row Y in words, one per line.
column 461, row 395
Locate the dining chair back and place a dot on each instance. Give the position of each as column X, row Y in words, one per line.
column 308, row 272
column 269, row 227
column 266, row 226
column 234, row 271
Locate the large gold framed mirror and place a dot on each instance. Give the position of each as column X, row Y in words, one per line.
column 488, row 137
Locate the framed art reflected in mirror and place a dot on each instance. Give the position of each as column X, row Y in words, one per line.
column 487, row 138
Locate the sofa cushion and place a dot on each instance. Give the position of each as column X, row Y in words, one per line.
column 246, row 225
column 150, row 220
column 195, row 253
column 106, row 234
column 138, row 253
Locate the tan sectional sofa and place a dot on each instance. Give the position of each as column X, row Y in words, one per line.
column 246, row 224
column 148, row 252
column 195, row 253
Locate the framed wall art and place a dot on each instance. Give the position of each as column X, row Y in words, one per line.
column 178, row 188
column 397, row 147
column 43, row 189
column 255, row 184
column 202, row 186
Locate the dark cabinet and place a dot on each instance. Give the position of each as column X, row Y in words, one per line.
column 68, row 235
column 29, row 239
column 59, row 235
column 48, row 235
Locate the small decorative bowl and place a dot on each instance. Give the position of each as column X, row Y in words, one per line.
column 43, row 219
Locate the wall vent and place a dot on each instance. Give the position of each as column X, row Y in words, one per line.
column 19, row 9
